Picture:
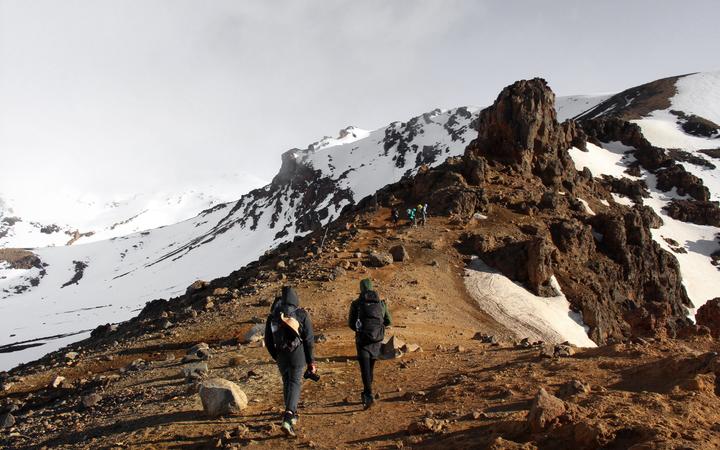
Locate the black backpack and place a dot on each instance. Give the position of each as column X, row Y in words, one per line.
column 284, row 338
column 371, row 313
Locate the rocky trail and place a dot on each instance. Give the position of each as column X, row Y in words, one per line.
column 455, row 391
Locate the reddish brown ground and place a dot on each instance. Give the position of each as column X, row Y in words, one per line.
column 653, row 394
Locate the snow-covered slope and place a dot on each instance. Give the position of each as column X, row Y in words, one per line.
column 59, row 218
column 75, row 288
column 699, row 95
column 571, row 106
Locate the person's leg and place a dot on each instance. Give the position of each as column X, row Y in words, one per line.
column 283, row 368
column 365, row 372
column 372, row 371
column 295, row 374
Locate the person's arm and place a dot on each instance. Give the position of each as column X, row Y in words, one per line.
column 352, row 318
column 308, row 338
column 387, row 319
column 269, row 343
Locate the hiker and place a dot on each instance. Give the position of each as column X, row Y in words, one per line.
column 423, row 213
column 411, row 216
column 368, row 318
column 395, row 216
column 289, row 340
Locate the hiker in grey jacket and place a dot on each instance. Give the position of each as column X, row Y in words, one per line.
column 368, row 318
column 289, row 340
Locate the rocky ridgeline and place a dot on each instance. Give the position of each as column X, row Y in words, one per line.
column 607, row 264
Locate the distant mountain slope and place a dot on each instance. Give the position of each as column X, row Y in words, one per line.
column 78, row 287
column 58, row 218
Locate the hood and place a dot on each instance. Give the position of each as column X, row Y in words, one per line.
column 365, row 285
column 289, row 296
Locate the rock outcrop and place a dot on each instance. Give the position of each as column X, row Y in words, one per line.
column 709, row 315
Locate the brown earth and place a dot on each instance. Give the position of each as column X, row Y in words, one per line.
column 657, row 393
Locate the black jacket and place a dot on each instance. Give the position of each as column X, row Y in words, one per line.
column 304, row 353
column 372, row 349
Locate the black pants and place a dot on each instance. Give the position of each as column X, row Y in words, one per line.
column 367, row 365
column 292, row 382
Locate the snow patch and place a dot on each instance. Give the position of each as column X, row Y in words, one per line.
column 548, row 319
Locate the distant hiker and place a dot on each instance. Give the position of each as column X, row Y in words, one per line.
column 368, row 318
column 289, row 340
column 395, row 216
column 423, row 213
column 412, row 219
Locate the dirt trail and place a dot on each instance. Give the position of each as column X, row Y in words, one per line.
column 478, row 393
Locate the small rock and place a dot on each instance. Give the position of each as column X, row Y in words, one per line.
column 7, row 420
column 91, row 400
column 280, row 265
column 198, row 352
column 459, row 349
column 221, row 291
column 70, row 356
column 320, row 338
column 573, row 387
column 545, row 410
column 392, row 348
column 57, row 381
column 399, row 253
column 221, row 397
column 410, row 348
column 379, row 259
column 254, row 334
column 235, row 361
column 563, row 350
column 195, row 371
column 426, row 425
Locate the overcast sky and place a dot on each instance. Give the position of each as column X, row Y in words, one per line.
column 125, row 96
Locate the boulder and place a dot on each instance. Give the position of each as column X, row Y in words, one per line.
column 221, row 397
column 399, row 253
column 544, row 411
column 379, row 259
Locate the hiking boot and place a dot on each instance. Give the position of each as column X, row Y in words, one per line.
column 288, row 424
column 367, row 401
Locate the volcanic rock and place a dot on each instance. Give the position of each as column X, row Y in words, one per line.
column 694, row 211
column 709, row 315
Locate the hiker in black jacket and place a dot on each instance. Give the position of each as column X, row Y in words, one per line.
column 289, row 340
column 368, row 318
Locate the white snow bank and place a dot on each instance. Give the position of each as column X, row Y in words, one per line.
column 538, row 318
column 607, row 160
